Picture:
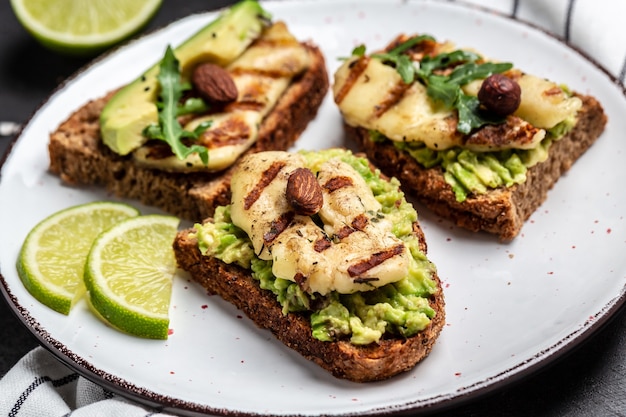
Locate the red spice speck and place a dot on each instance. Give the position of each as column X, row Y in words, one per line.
column 457, row 374
column 608, row 231
column 204, row 306
column 239, row 316
column 172, row 372
column 170, row 332
column 551, row 273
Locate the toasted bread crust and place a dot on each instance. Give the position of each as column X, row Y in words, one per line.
column 501, row 211
column 79, row 157
column 373, row 362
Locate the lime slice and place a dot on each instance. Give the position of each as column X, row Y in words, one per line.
column 129, row 274
column 52, row 258
column 79, row 27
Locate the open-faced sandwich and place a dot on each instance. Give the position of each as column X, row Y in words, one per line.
column 477, row 141
column 325, row 252
column 241, row 84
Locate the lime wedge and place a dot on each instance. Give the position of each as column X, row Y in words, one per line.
column 52, row 258
column 79, row 27
column 129, row 274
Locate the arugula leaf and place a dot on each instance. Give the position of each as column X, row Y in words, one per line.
column 410, row 43
column 402, row 64
column 429, row 64
column 439, row 88
column 192, row 105
column 169, row 129
column 470, row 116
column 446, row 88
column 359, row 50
column 466, row 73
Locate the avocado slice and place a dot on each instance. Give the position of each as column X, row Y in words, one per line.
column 133, row 107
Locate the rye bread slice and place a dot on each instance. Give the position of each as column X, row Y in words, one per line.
column 373, row 362
column 500, row 211
column 78, row 156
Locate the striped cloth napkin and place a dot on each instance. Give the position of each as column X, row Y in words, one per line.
column 40, row 385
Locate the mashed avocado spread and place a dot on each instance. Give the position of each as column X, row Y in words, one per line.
column 399, row 309
column 467, row 171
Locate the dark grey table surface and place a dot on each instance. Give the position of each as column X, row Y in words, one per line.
column 589, row 380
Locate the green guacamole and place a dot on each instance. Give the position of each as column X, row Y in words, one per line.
column 398, row 309
column 475, row 172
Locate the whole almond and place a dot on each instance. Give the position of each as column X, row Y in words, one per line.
column 304, row 193
column 214, row 83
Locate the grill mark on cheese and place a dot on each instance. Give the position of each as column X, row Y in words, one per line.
column 232, row 131
column 360, row 222
column 336, row 183
column 375, row 260
column 322, row 244
column 356, row 69
column 344, row 232
column 395, row 95
column 157, row 150
column 266, row 178
column 277, row 227
column 249, row 94
column 244, row 105
column 269, row 73
column 513, row 130
column 257, row 88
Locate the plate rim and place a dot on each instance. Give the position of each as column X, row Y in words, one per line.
column 470, row 392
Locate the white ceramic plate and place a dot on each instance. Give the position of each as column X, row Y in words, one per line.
column 511, row 308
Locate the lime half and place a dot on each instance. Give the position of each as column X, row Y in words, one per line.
column 80, row 27
column 129, row 274
column 52, row 258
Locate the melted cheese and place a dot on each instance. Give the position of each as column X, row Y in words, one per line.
column 294, row 252
column 544, row 104
column 369, row 99
column 415, row 117
column 262, row 74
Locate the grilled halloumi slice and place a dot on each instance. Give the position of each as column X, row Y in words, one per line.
column 372, row 95
column 352, row 250
column 261, row 74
